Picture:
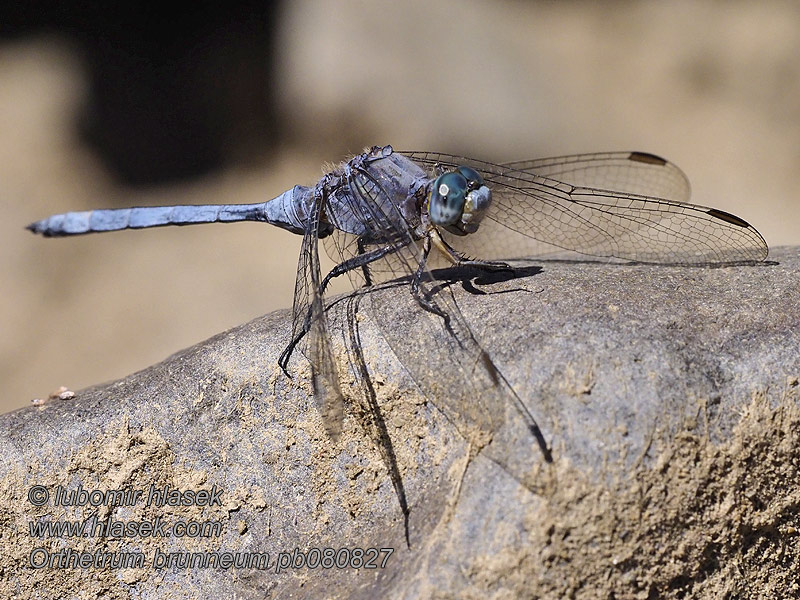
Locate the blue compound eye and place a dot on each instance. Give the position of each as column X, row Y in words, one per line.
column 473, row 178
column 447, row 198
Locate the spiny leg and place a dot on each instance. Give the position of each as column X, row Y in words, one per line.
column 361, row 251
column 460, row 260
column 423, row 298
column 416, row 290
column 359, row 261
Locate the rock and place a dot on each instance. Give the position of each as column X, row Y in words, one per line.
column 669, row 396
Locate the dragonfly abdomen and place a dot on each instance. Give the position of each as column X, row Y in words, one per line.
column 281, row 211
column 90, row 221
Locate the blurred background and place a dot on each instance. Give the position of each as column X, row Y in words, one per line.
column 111, row 106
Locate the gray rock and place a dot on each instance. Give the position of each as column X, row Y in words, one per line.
column 669, row 396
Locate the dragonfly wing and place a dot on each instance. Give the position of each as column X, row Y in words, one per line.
column 309, row 316
column 628, row 226
column 638, row 173
column 593, row 220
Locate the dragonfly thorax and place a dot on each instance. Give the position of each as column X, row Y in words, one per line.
column 458, row 200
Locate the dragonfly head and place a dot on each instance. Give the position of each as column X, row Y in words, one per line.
column 459, row 200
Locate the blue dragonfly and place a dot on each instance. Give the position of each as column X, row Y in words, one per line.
column 386, row 215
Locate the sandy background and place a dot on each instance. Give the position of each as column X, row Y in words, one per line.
column 713, row 87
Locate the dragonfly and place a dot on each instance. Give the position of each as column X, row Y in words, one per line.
column 388, row 216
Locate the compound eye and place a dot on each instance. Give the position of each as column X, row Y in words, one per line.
column 447, row 198
column 474, row 179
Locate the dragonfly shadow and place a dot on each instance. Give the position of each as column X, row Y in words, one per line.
column 467, row 276
column 365, row 406
column 471, row 277
column 367, row 410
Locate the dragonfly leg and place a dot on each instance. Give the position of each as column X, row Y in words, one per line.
column 459, row 260
column 487, row 265
column 283, row 360
column 359, row 261
column 423, row 298
column 362, row 250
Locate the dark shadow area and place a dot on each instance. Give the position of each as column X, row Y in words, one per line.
column 470, row 277
column 370, row 415
column 175, row 90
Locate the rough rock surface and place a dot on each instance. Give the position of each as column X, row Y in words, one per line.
column 669, row 396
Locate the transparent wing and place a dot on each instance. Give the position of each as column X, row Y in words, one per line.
column 591, row 219
column 309, row 315
column 630, row 172
column 442, row 354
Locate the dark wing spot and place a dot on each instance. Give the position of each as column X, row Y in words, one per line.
column 727, row 217
column 646, row 157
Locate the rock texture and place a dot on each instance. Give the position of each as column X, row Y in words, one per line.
column 669, row 397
